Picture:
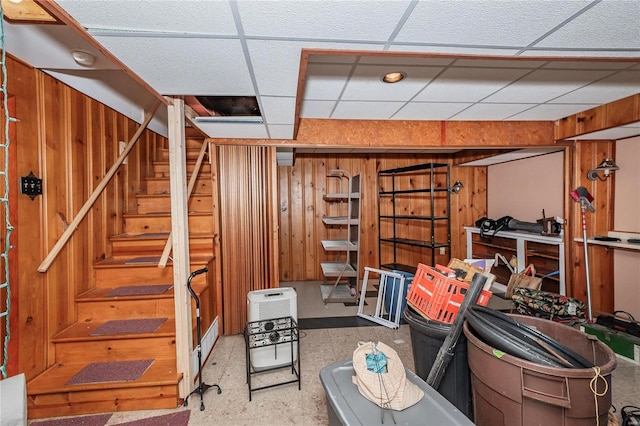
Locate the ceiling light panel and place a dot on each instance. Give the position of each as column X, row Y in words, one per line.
column 468, row 84
column 353, row 110
column 545, row 85
column 185, row 65
column 594, row 28
column 484, row 23
column 329, row 20
column 325, row 81
column 185, row 16
column 365, row 83
column 429, row 111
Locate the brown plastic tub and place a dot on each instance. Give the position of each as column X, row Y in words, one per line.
column 511, row 391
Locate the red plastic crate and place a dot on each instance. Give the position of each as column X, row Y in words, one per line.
column 437, row 297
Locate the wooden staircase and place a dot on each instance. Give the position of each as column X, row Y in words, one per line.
column 133, row 263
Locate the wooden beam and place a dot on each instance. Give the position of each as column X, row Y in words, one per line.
column 617, row 113
column 180, row 238
column 96, row 193
column 410, row 134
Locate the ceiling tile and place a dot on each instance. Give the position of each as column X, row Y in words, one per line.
column 468, row 84
column 617, row 86
column 281, row 131
column 509, row 63
column 278, row 110
column 317, row 109
column 325, row 81
column 491, row 111
column 366, row 83
column 485, row 23
column 429, row 111
column 321, row 19
column 545, row 85
column 234, row 130
column 594, row 28
column 399, row 60
column 185, row 16
column 185, row 65
column 352, row 110
column 590, row 65
column 452, row 50
column 551, row 112
column 276, row 64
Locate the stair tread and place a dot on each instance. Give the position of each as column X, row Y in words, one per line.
column 81, row 331
column 157, row 236
column 163, row 214
column 121, row 261
column 100, row 293
column 168, row 195
column 53, row 380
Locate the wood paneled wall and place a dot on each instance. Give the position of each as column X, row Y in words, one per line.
column 248, row 228
column 69, row 141
column 586, row 156
column 301, row 190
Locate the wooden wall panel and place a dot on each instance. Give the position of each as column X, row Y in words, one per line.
column 301, row 214
column 247, row 223
column 69, row 141
column 587, row 155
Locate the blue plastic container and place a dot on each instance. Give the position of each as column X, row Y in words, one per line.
column 392, row 292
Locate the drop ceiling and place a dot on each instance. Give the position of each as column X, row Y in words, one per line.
column 464, row 60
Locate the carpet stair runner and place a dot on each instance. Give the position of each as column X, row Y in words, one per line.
column 120, row 354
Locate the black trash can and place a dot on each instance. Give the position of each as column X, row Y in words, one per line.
column 427, row 336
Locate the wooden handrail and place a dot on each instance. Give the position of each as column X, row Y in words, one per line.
column 96, row 193
column 192, row 182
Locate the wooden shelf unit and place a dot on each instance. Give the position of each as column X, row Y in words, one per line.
column 545, row 253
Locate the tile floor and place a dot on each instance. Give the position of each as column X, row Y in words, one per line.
column 286, row 405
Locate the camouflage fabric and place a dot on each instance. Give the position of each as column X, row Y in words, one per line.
column 543, row 304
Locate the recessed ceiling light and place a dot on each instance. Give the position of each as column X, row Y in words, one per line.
column 393, row 77
column 15, row 1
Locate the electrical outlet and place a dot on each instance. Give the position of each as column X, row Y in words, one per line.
column 442, row 250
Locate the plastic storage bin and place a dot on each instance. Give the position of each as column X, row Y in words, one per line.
column 438, row 297
column 391, row 292
column 427, row 337
column 511, row 391
column 345, row 405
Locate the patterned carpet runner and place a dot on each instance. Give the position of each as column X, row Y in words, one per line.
column 130, row 326
column 113, row 371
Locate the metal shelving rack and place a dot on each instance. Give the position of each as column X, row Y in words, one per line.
column 347, row 247
column 429, row 193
